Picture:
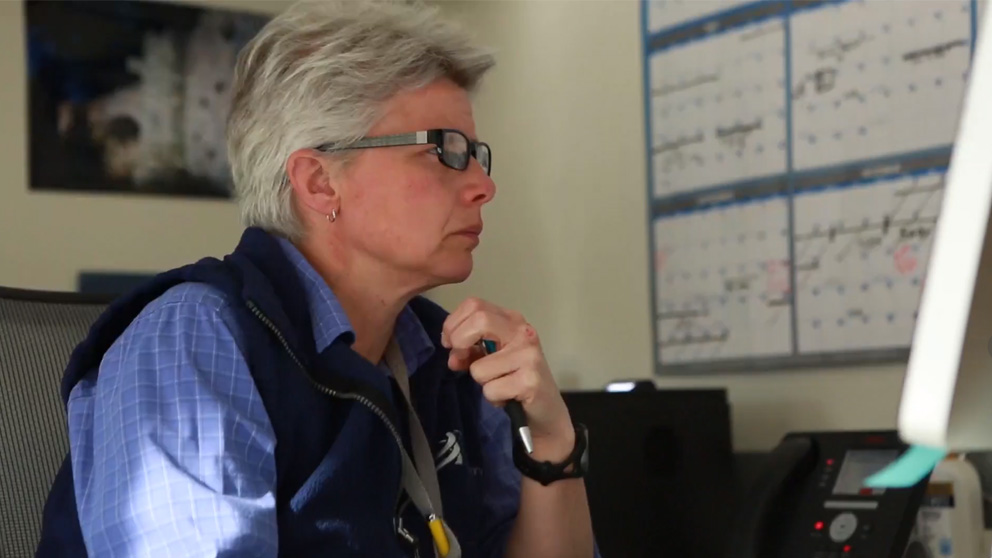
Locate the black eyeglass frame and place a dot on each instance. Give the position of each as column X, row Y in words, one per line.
column 422, row 137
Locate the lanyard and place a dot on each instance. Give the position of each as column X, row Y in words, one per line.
column 420, row 480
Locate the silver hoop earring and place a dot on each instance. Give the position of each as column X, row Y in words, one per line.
column 333, row 216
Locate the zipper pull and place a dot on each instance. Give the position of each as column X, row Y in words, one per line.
column 404, row 534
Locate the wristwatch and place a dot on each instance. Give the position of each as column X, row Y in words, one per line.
column 574, row 466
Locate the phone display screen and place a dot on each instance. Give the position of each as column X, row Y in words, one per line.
column 857, row 466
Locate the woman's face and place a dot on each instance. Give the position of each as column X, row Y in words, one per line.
column 405, row 210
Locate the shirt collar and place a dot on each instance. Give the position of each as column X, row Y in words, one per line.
column 330, row 321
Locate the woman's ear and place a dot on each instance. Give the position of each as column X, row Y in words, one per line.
column 310, row 177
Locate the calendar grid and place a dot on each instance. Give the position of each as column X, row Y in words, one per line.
column 974, row 25
column 700, row 28
column 649, row 217
column 791, row 200
column 791, row 179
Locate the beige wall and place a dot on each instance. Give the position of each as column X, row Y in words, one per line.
column 566, row 238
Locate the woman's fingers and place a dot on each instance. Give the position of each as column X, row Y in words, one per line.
column 464, row 310
column 478, row 326
column 461, row 359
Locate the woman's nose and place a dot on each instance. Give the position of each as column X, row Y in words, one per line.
column 480, row 187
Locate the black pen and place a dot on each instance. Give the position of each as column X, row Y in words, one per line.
column 518, row 420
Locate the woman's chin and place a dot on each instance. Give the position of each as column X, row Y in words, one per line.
column 455, row 269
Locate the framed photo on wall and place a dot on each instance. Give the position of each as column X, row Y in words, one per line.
column 131, row 96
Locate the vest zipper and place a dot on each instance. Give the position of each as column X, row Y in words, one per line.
column 336, row 394
column 321, row 387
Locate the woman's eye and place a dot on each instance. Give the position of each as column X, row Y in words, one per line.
column 434, row 151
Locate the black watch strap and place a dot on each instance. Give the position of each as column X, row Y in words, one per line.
column 545, row 472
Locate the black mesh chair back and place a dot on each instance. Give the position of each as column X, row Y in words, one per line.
column 38, row 331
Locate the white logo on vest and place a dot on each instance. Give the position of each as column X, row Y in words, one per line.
column 451, row 451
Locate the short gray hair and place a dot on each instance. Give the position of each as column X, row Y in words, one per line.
column 318, row 73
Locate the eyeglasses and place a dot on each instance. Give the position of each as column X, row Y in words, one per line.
column 453, row 147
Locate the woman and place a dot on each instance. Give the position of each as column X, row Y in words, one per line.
column 257, row 405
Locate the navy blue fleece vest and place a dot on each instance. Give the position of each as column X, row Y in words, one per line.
column 338, row 466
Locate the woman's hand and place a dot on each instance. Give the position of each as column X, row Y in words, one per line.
column 517, row 370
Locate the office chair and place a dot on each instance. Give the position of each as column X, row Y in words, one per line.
column 38, row 331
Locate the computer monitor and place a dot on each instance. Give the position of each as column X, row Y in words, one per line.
column 947, row 395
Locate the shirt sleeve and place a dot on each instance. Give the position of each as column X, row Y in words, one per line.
column 501, row 496
column 172, row 450
column 502, row 490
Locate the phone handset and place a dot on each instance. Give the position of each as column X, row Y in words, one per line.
column 788, row 463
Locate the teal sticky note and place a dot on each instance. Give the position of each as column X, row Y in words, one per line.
column 909, row 469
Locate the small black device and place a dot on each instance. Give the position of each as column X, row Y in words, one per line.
column 660, row 480
column 810, row 501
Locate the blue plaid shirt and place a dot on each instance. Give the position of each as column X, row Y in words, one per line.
column 172, row 451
